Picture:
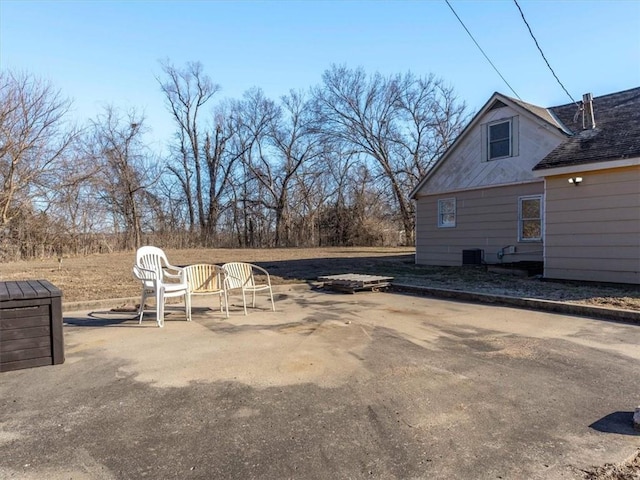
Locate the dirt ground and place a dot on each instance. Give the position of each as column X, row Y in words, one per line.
column 98, row 277
column 628, row 470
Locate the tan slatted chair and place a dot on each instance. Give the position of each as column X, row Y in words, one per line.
column 241, row 276
column 207, row 279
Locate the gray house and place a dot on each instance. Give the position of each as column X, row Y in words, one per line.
column 522, row 183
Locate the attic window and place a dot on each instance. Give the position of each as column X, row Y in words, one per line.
column 499, row 140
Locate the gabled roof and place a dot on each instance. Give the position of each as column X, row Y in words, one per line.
column 496, row 100
column 616, row 136
column 543, row 113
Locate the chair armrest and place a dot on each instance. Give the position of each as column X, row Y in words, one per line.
column 222, row 273
column 263, row 271
column 168, row 266
column 228, row 278
column 180, row 275
column 144, row 273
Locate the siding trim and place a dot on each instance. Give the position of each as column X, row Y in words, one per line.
column 588, row 167
column 471, row 189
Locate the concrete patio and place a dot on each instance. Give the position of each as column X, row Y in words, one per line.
column 370, row 385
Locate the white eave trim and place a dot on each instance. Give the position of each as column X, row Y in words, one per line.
column 587, row 167
column 479, row 187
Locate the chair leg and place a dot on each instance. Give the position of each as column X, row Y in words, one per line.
column 226, row 303
column 160, row 306
column 187, row 306
column 244, row 301
column 141, row 308
column 273, row 305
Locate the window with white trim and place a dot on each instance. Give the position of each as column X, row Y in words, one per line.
column 530, row 218
column 447, row 213
column 499, row 139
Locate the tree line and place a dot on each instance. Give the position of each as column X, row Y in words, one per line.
column 329, row 166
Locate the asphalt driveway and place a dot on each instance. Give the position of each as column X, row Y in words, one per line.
column 371, row 385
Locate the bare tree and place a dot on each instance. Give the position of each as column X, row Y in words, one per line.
column 221, row 154
column 396, row 121
column 73, row 204
column 187, row 91
column 125, row 175
column 293, row 143
column 432, row 118
column 339, row 161
column 33, row 140
column 256, row 114
column 309, row 193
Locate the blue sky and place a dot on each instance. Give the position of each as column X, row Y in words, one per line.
column 107, row 52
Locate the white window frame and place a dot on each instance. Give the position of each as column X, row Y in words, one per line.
column 441, row 203
column 521, row 220
column 493, row 124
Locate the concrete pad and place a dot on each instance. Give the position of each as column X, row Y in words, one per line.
column 371, row 385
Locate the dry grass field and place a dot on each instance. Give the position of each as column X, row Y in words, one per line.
column 104, row 276
column 108, row 276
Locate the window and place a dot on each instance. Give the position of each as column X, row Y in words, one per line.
column 499, row 140
column 447, row 212
column 530, row 218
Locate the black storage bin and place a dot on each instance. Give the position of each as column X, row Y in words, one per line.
column 30, row 325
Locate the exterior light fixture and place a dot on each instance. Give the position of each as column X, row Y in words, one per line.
column 575, row 180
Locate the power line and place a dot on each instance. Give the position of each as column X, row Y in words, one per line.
column 480, row 48
column 542, row 53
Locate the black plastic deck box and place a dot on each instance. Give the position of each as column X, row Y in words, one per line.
column 30, row 325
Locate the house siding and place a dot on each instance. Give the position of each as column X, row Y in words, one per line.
column 593, row 230
column 486, row 218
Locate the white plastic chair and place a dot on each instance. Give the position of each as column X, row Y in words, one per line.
column 240, row 275
column 207, row 279
column 161, row 278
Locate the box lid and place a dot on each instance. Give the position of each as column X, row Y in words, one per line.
column 25, row 289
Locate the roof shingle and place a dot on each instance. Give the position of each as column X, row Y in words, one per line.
column 616, row 136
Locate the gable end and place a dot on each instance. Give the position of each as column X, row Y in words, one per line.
column 497, row 104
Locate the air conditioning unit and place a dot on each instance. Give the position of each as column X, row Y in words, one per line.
column 472, row 256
